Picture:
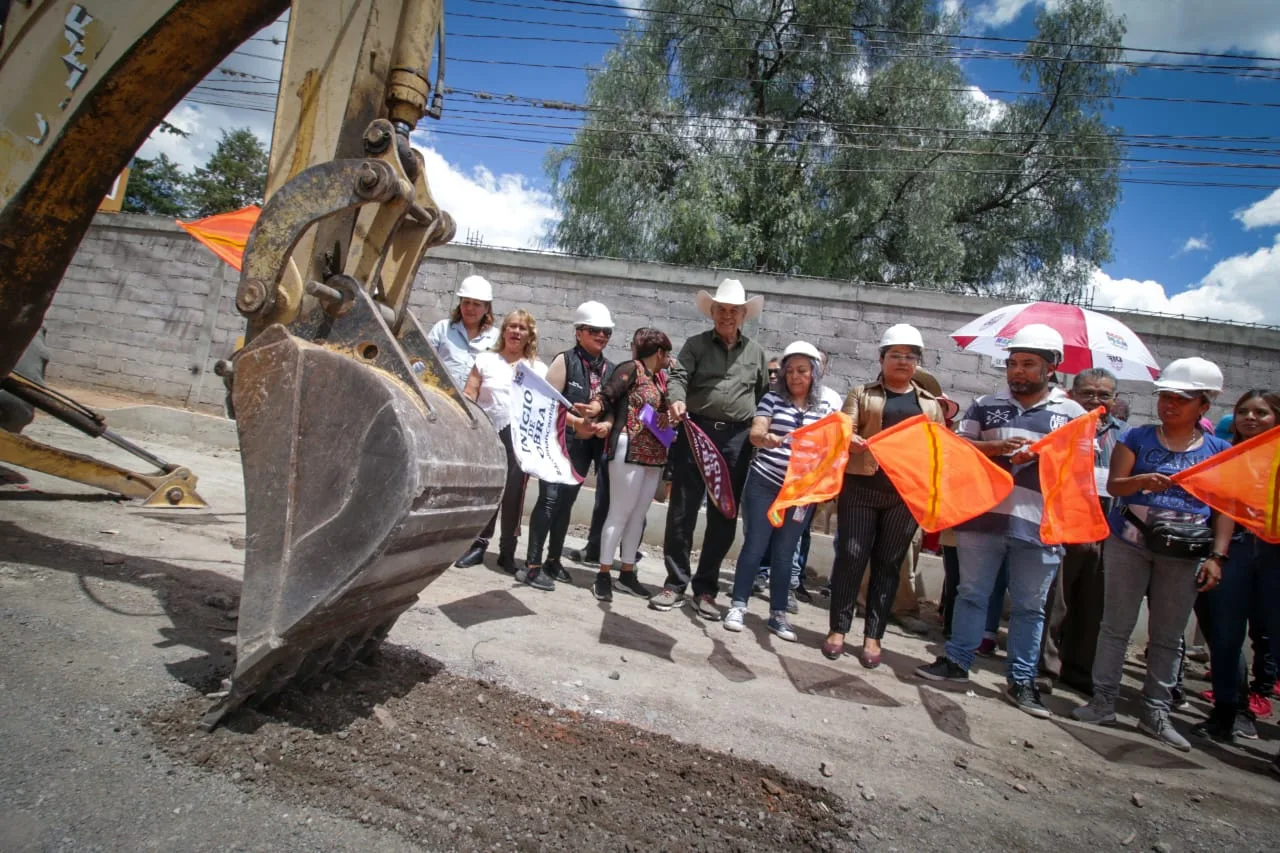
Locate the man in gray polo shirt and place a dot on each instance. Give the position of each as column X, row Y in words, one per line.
column 1001, row 426
column 717, row 380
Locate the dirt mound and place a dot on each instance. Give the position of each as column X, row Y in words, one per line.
column 462, row 764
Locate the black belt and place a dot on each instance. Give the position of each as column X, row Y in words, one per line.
column 718, row 426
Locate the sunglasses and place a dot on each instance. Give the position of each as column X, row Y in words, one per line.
column 596, row 330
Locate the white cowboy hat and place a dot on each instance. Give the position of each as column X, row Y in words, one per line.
column 730, row 292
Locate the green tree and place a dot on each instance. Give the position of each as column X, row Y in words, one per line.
column 156, row 187
column 840, row 138
column 235, row 175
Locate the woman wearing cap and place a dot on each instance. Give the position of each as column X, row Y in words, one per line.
column 1137, row 564
column 874, row 524
column 635, row 453
column 1247, row 601
column 489, row 384
column 794, row 400
column 469, row 330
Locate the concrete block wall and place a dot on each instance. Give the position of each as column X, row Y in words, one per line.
column 145, row 310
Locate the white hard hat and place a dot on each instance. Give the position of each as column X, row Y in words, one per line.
column 1190, row 376
column 593, row 314
column 1037, row 337
column 476, row 287
column 802, row 348
column 901, row 335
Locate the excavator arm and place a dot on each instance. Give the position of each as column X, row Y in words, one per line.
column 366, row 471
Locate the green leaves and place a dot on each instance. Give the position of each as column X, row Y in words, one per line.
column 840, row 138
column 234, row 176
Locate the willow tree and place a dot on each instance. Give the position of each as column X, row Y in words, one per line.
column 841, row 138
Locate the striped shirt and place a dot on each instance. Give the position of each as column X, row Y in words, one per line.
column 784, row 417
column 995, row 417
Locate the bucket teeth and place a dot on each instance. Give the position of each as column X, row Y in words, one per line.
column 360, row 489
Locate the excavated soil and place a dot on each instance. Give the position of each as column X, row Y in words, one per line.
column 455, row 763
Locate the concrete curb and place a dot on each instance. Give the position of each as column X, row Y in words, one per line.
column 208, row 430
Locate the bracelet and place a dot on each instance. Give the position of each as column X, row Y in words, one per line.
column 1220, row 557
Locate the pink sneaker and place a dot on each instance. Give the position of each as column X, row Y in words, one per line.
column 1207, row 695
column 987, row 648
column 1260, row 705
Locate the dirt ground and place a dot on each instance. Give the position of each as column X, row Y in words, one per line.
column 500, row 717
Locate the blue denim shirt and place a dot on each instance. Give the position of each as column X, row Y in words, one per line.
column 457, row 351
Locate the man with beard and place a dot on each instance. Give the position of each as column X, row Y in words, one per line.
column 1001, row 426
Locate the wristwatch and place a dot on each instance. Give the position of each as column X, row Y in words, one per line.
column 1216, row 555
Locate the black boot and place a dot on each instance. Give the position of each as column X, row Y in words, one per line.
column 1220, row 725
column 473, row 557
column 507, row 556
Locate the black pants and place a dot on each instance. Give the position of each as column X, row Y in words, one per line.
column 875, row 526
column 1073, row 615
column 549, row 522
column 512, row 506
column 688, row 494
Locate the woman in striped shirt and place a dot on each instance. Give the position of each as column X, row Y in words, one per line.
column 795, row 399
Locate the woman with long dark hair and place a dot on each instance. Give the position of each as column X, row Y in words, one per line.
column 1247, row 600
column 1155, row 547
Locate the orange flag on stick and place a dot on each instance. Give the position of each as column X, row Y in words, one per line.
column 942, row 478
column 1072, row 514
column 225, row 233
column 1243, row 482
column 815, row 471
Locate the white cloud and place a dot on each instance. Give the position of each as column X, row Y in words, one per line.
column 1223, row 25
column 1261, row 213
column 1195, row 244
column 987, row 110
column 1240, row 288
column 203, row 125
column 632, row 7
column 498, row 210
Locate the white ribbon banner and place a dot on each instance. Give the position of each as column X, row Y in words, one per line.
column 537, row 428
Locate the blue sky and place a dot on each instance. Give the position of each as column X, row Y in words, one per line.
column 1199, row 251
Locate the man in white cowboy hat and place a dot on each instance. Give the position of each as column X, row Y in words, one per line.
column 716, row 381
column 468, row 331
column 577, row 373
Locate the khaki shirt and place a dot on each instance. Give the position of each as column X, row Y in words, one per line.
column 717, row 382
column 865, row 405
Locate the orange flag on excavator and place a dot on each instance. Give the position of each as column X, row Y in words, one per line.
column 942, row 478
column 1072, row 514
column 225, row 234
column 1243, row 482
column 815, row 472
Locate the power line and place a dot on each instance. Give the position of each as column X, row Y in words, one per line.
column 889, row 30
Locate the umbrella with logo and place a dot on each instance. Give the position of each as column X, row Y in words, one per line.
column 1091, row 339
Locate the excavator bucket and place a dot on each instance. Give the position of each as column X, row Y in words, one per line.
column 362, row 484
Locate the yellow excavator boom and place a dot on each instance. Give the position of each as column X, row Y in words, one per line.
column 366, row 470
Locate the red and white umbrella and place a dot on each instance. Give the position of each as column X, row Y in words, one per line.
column 1091, row 339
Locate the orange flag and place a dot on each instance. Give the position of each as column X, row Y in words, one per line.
column 942, row 478
column 1243, row 482
column 815, row 472
column 1072, row 514
column 225, row 233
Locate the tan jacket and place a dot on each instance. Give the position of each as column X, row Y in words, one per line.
column 865, row 405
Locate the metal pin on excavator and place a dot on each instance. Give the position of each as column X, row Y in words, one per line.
column 366, row 471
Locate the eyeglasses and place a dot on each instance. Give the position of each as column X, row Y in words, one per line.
column 1095, row 395
column 596, row 330
column 911, row 358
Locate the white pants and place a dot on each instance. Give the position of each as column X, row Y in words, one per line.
column 631, row 490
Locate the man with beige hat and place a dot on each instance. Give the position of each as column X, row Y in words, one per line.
column 716, row 381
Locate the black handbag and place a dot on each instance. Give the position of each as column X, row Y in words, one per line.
column 1174, row 538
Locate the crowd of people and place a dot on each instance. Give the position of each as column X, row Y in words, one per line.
column 1072, row 610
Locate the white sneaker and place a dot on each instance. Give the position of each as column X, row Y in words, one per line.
column 733, row 619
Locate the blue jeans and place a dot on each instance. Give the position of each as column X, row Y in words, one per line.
column 801, row 556
column 995, row 608
column 760, row 536
column 1250, row 580
column 1031, row 570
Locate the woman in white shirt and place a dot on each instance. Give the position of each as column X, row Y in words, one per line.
column 489, row 384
